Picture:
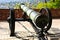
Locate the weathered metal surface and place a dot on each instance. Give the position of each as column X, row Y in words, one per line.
column 31, row 13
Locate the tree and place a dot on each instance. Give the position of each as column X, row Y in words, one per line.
column 55, row 4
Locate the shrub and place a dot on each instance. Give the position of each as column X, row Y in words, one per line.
column 50, row 4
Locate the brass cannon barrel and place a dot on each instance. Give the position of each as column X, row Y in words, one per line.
column 38, row 19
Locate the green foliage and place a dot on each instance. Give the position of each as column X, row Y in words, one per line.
column 17, row 6
column 40, row 5
column 34, row 6
column 50, row 4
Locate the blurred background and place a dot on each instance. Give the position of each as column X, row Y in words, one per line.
column 37, row 4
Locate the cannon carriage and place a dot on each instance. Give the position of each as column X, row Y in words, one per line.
column 41, row 21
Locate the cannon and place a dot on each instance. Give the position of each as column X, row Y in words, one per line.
column 41, row 21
